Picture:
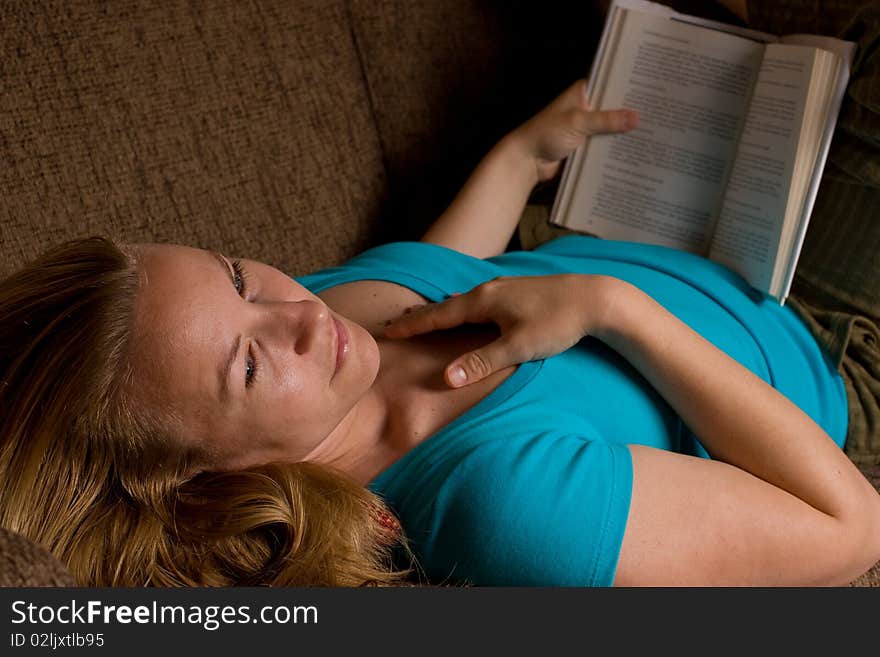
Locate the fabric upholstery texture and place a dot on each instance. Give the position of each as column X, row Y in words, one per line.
column 240, row 126
column 23, row 563
column 448, row 79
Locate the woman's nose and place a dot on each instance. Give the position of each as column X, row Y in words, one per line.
column 303, row 323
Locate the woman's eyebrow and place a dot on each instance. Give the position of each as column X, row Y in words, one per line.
column 226, row 365
column 223, row 264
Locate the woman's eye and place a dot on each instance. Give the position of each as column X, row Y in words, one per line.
column 250, row 369
column 239, row 278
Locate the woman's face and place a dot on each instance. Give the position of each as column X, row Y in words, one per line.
column 243, row 356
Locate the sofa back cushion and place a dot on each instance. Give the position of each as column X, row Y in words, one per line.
column 238, row 126
column 449, row 78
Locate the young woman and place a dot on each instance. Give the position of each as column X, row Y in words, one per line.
column 590, row 413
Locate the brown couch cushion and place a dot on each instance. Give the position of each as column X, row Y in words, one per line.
column 448, row 79
column 23, row 563
column 238, row 126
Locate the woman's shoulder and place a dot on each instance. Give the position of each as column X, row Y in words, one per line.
column 381, row 282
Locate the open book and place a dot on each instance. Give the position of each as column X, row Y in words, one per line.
column 734, row 131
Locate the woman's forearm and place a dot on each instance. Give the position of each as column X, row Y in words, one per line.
column 482, row 217
column 738, row 418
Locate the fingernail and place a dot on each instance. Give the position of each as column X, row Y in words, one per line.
column 457, row 375
column 632, row 120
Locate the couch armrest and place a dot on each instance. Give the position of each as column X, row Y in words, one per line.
column 23, row 563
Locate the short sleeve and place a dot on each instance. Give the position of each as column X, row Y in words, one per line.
column 546, row 511
column 429, row 269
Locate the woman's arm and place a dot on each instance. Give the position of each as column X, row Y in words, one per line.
column 779, row 504
column 482, row 217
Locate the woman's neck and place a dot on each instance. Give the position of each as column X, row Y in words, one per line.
column 409, row 400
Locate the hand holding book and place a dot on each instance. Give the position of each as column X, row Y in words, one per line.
column 483, row 215
column 734, row 131
column 559, row 129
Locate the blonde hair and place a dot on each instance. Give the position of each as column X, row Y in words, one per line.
column 101, row 481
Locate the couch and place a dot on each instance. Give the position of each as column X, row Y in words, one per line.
column 294, row 132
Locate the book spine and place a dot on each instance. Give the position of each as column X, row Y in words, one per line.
column 821, row 157
column 573, row 164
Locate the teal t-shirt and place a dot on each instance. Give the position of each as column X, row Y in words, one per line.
column 532, row 486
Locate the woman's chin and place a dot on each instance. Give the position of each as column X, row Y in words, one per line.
column 362, row 356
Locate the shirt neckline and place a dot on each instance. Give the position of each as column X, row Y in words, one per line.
column 524, row 373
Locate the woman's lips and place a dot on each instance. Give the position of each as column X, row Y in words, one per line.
column 342, row 343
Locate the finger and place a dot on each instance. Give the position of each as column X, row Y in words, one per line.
column 479, row 363
column 434, row 317
column 606, row 121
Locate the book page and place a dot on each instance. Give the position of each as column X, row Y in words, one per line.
column 662, row 183
column 751, row 221
column 845, row 54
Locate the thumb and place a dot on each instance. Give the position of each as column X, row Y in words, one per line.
column 477, row 364
column 606, row 121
